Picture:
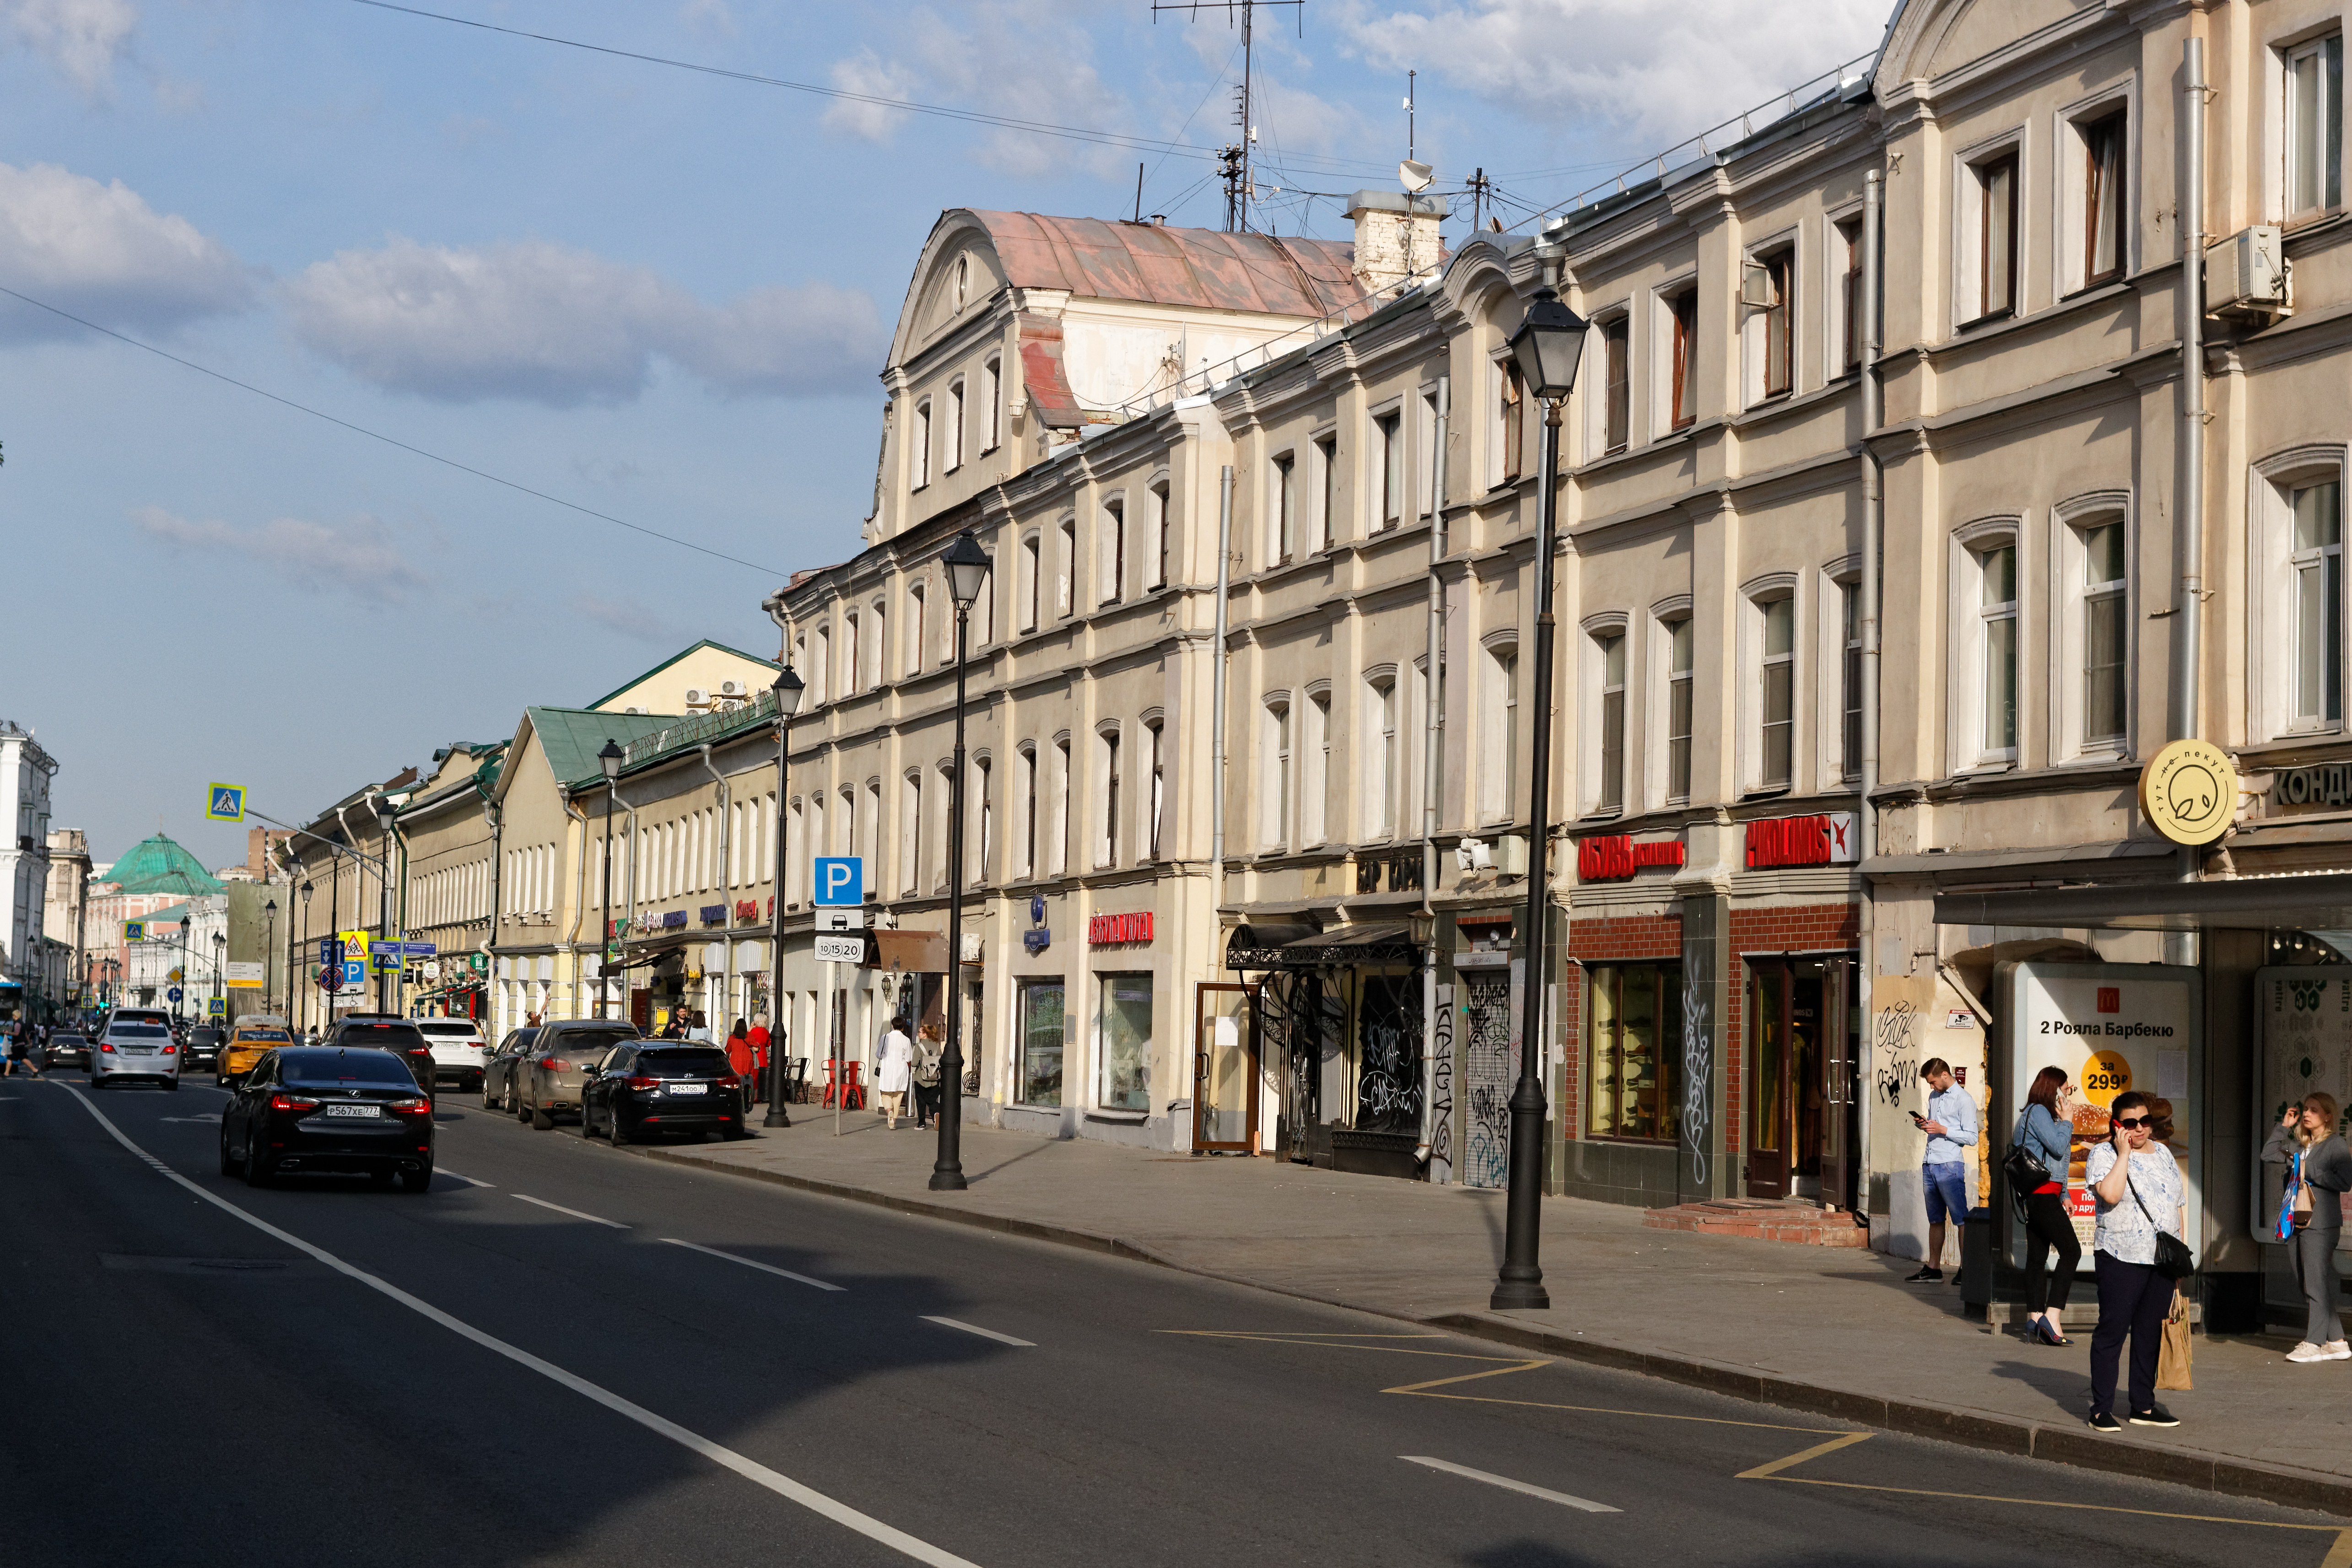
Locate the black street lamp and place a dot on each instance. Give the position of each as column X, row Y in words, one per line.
column 967, row 566
column 289, row 978
column 187, row 924
column 788, row 689
column 383, row 814
column 1545, row 349
column 220, row 951
column 609, row 759
column 268, row 951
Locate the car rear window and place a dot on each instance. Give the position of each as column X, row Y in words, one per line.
column 681, row 1063
column 465, row 1030
column 588, row 1043
column 389, row 1036
column 139, row 1031
column 321, row 1067
column 247, row 1036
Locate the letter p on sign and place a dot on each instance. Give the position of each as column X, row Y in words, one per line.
column 840, row 879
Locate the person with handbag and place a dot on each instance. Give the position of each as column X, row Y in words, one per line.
column 2036, row 1169
column 2311, row 1216
column 2138, row 1255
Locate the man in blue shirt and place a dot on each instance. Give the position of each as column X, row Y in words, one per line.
column 1950, row 1124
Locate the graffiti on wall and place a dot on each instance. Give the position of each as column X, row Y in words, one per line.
column 1388, row 1086
column 1698, row 1066
column 1486, row 1082
column 1441, row 1090
column 1895, row 1047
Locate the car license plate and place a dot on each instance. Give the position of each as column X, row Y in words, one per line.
column 358, row 1112
column 688, row 1088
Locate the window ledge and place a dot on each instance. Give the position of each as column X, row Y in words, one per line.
column 1968, row 334
column 1132, row 1118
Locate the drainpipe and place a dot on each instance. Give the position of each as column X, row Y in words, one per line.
column 727, row 894
column 1866, row 819
column 1434, row 772
column 578, row 818
column 490, row 949
column 2190, row 505
column 1217, row 696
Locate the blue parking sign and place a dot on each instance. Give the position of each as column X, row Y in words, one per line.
column 840, row 879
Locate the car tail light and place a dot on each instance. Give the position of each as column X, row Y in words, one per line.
column 171, row 1050
column 106, row 1048
column 556, row 1064
column 291, row 1102
column 410, row 1107
column 730, row 1082
column 640, row 1080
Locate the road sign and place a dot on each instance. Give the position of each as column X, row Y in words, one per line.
column 841, row 950
column 134, row 931
column 172, row 995
column 840, row 879
column 330, row 953
column 354, row 972
column 225, row 802
column 218, row 1006
column 387, row 958
column 411, row 949
column 355, row 944
column 841, row 920
column 330, row 976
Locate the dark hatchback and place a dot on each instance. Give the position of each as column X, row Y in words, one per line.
column 400, row 1037
column 320, row 1108
column 202, row 1049
column 68, row 1050
column 638, row 1090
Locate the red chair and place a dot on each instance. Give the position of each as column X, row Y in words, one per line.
column 853, row 1093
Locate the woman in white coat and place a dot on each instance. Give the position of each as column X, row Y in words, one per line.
column 894, row 1065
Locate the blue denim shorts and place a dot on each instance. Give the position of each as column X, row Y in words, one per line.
column 1947, row 1193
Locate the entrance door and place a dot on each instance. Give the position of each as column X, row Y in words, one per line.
column 1224, row 1068
column 1798, row 1081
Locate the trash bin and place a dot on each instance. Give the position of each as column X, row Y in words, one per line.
column 1975, row 1263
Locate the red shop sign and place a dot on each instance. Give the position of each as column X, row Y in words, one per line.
column 1613, row 857
column 747, row 909
column 1108, row 930
column 1827, row 840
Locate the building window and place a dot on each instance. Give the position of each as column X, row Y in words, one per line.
column 1041, row 1043
column 1849, row 293
column 1326, row 515
column 2107, row 634
column 1158, row 732
column 1066, row 571
column 941, row 803
column 1682, row 315
column 2317, row 565
column 1993, row 209
column 955, row 426
column 1774, row 279
column 1107, row 758
column 1062, row 804
column 1123, row 1039
column 910, row 832
column 1381, row 764
column 1997, row 614
column 1033, row 573
column 1026, row 760
column 2104, row 191
column 1110, row 570
column 1425, row 445
column 865, row 835
column 1390, row 428
column 2315, row 125
column 1286, row 509
column 1777, row 713
column 1610, row 647
column 1681, row 643
column 1617, row 383
column 1511, row 402
column 985, row 823
column 881, row 640
column 922, row 453
column 992, row 387
column 1314, row 770
column 915, row 623
column 1159, row 531
column 1498, row 732
column 1635, row 1043
column 818, row 666
column 852, row 665
column 1274, row 794
column 963, row 280
column 1850, row 679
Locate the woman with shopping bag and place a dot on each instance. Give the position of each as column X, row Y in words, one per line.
column 2311, row 1216
column 2139, row 1254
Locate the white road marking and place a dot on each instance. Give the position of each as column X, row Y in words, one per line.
column 985, row 1334
column 783, row 1485
column 199, row 1121
column 1508, row 1484
column 591, row 1218
column 444, row 1170
column 748, row 1263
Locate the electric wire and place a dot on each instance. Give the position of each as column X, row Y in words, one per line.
column 387, row 439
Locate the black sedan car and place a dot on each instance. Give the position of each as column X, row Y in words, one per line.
column 331, row 1109
column 69, row 1050
column 202, row 1048
column 640, row 1089
column 376, row 1031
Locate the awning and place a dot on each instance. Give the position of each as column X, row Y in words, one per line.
column 1387, row 944
column 2321, row 901
column 910, row 952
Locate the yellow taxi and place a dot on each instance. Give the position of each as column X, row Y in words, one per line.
column 247, row 1038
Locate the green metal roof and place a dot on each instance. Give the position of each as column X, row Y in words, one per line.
column 570, row 738
column 160, row 865
column 672, row 659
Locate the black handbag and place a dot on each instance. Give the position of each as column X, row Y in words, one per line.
column 2025, row 1173
column 2173, row 1259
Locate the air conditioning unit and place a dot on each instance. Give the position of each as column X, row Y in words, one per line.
column 632, row 710
column 2247, row 274
column 1472, row 854
column 697, row 698
column 1511, row 855
column 730, row 689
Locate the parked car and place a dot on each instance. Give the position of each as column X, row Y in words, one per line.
column 200, row 1049
column 69, row 1050
column 329, row 1108
column 652, row 1087
column 459, row 1051
column 247, row 1038
column 381, row 1031
column 137, row 1052
column 548, row 1079
column 500, row 1072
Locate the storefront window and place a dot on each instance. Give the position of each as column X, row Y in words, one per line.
column 1041, row 1043
column 1124, row 1077
column 1635, row 1031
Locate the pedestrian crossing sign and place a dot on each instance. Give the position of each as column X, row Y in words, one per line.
column 134, row 931
column 225, row 802
column 219, row 1006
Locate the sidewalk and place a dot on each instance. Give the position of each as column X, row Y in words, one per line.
column 1827, row 1329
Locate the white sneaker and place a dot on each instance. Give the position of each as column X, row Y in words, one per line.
column 2336, row 1350
column 2306, row 1350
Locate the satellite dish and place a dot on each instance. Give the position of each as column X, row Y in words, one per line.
column 1415, row 176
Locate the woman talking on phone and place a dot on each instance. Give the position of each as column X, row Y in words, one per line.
column 2046, row 1130
column 2311, row 1215
column 2139, row 1188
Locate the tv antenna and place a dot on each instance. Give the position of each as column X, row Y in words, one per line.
column 1233, row 160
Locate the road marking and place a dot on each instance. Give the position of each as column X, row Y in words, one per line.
column 783, row 1485
column 591, row 1218
column 199, row 1121
column 470, row 1181
column 1508, row 1484
column 985, row 1334
column 763, row 1268
column 1766, row 1472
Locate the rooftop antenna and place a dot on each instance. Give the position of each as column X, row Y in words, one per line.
column 1408, row 77
column 1139, row 192
column 1235, row 158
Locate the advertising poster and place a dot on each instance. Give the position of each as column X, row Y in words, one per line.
column 2303, row 1026
column 2112, row 1027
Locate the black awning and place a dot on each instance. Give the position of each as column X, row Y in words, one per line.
column 1372, row 946
column 2321, row 901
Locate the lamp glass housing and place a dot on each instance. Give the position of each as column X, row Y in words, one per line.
column 1549, row 347
column 609, row 759
column 788, row 689
column 968, row 567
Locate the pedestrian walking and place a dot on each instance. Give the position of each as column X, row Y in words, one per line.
column 20, row 1061
column 758, row 1042
column 2311, row 1216
column 740, row 1061
column 894, row 1061
column 2138, row 1190
column 697, row 1026
column 930, row 1044
column 2045, row 1131
column 1950, row 1124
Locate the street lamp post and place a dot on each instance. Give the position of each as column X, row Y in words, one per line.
column 788, row 689
column 384, row 815
column 289, row 978
column 609, row 759
column 1545, row 349
column 187, row 924
column 967, row 566
column 268, row 951
column 220, row 951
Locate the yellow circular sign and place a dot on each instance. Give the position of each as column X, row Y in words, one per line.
column 2105, row 1075
column 2188, row 791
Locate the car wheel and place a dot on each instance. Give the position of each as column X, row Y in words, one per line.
column 587, row 1122
column 230, row 1164
column 620, row 1137
column 540, row 1122
column 522, row 1110
column 488, row 1103
column 257, row 1167
column 171, row 1083
column 417, row 1181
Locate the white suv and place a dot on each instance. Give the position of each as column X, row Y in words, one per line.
column 137, row 1051
column 458, row 1050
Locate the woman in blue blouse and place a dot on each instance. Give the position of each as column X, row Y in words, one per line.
column 2140, row 1192
column 2046, row 1129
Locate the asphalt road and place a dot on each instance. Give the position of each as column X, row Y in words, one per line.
column 200, row 1373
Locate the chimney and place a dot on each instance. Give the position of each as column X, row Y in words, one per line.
column 1396, row 236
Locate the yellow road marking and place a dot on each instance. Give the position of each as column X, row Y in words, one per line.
column 1766, row 1472
column 1469, row 1376
column 2341, row 1557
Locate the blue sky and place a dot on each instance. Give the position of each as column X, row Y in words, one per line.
column 656, row 293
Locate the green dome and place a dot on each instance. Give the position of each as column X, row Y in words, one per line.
column 160, row 865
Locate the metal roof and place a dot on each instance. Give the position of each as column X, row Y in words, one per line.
column 161, row 865
column 1150, row 263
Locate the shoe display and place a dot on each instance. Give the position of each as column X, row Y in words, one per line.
column 2154, row 1416
column 2306, row 1350
column 2105, row 1423
column 1923, row 1276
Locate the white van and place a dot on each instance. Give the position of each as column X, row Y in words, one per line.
column 458, row 1050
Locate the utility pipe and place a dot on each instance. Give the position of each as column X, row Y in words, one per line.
column 1866, row 817
column 1434, row 771
column 727, row 893
column 2190, row 505
column 1217, row 743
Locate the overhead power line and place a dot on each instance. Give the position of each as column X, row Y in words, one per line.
column 389, row 440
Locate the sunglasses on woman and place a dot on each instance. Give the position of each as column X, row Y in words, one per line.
column 2127, row 1123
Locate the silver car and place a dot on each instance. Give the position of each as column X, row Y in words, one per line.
column 134, row 1051
column 549, row 1079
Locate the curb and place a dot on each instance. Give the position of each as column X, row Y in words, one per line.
column 2065, row 1445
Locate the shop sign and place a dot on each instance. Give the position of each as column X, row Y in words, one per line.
column 1114, row 930
column 1825, row 840
column 1036, row 939
column 1614, row 857
column 714, row 913
column 673, row 918
column 2188, row 791
column 2329, row 784
column 747, row 909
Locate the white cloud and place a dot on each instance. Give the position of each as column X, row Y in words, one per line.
column 868, row 73
column 82, row 38
column 359, row 557
column 550, row 324
column 1660, row 72
column 101, row 251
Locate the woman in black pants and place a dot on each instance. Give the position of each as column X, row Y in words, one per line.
column 2139, row 1191
column 2046, row 1129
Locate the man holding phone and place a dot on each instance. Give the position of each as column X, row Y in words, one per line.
column 1950, row 1124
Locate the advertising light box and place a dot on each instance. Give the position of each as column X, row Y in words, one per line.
column 2303, row 1039
column 2111, row 1028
